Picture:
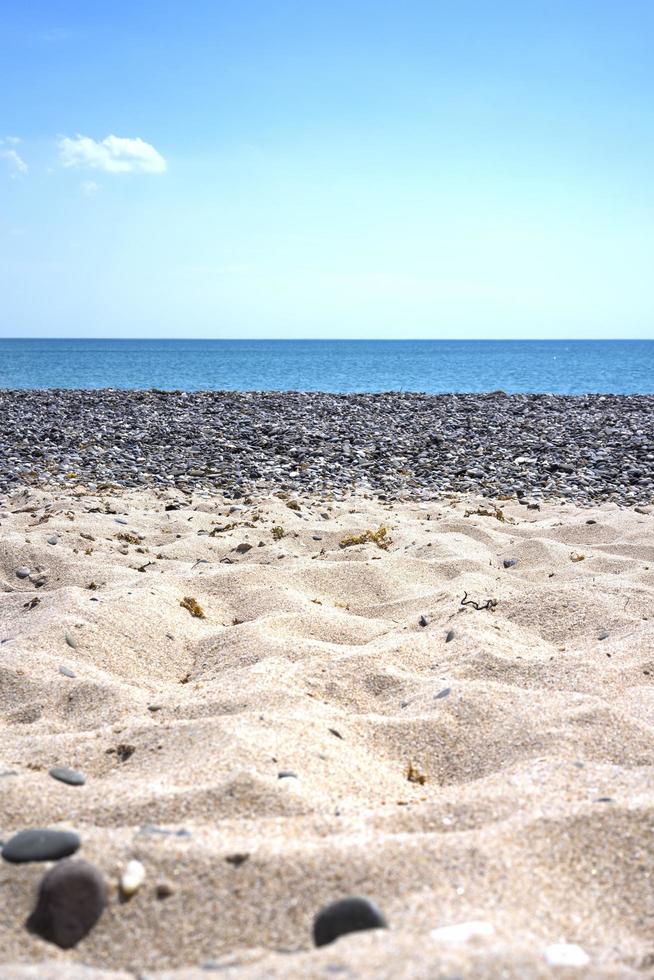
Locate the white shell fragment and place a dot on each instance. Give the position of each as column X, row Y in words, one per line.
column 462, row 932
column 132, row 878
column 566, row 954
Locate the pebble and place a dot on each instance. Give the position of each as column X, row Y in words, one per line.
column 66, row 671
column 510, row 562
column 132, row 878
column 449, row 636
column 423, row 621
column 70, row 776
column 23, row 572
column 40, row 845
column 566, row 954
column 287, row 774
column 344, row 916
column 442, row 694
column 389, row 443
column 71, row 641
column 243, row 548
column 603, row 635
column 72, row 897
column 53, row 539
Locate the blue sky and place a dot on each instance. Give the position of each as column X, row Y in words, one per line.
column 425, row 168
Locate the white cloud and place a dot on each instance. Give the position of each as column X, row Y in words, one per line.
column 17, row 166
column 89, row 188
column 115, row 154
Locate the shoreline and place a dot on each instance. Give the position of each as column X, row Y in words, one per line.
column 394, row 445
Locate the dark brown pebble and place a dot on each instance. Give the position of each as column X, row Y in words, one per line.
column 344, row 916
column 72, row 897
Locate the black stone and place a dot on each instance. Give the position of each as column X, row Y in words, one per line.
column 72, row 897
column 423, row 621
column 40, row 845
column 510, row 562
column 70, row 776
column 346, row 915
column 450, row 636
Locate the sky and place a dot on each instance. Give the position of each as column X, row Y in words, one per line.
column 327, row 168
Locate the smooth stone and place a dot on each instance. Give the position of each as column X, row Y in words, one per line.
column 66, row 671
column 510, row 562
column 72, row 897
column 23, row 572
column 344, row 916
column 40, row 845
column 69, row 776
column 53, row 539
column 603, row 635
column 566, row 954
column 442, row 694
column 71, row 641
column 121, row 520
column 287, row 774
column 450, row 636
column 132, row 878
column 423, row 621
column 243, row 548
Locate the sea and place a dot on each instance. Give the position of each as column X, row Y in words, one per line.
column 555, row 366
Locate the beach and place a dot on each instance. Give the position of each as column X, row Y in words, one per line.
column 279, row 697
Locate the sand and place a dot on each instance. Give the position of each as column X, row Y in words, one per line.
column 528, row 738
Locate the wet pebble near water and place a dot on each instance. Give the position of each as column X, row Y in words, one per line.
column 585, row 447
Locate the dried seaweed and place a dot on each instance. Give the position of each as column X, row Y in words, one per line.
column 415, row 774
column 496, row 512
column 193, row 606
column 489, row 604
column 378, row 537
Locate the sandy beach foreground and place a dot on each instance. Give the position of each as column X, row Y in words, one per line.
column 270, row 716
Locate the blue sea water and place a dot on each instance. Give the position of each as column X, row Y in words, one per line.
column 558, row 366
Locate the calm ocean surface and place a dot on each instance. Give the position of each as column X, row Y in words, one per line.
column 566, row 367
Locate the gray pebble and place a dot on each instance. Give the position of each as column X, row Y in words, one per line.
column 423, row 621
column 22, row 572
column 243, row 548
column 449, row 636
column 66, row 671
column 40, row 845
column 71, row 641
column 510, row 562
column 70, row 776
column 53, row 539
